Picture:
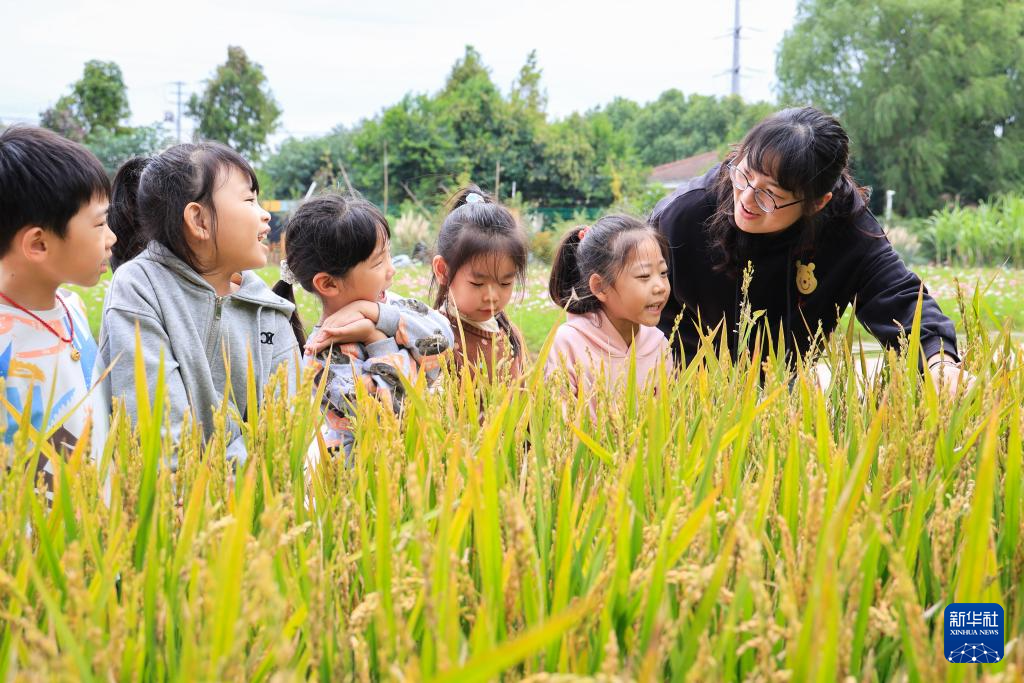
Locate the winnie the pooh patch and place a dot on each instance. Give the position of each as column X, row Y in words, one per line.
column 805, row 280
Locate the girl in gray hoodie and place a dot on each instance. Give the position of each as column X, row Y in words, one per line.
column 190, row 292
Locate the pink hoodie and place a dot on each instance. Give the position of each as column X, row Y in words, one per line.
column 591, row 341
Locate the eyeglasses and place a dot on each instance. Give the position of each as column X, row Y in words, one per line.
column 762, row 198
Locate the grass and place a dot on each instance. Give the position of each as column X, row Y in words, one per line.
column 534, row 313
column 739, row 524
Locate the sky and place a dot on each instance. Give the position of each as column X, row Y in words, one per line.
column 331, row 63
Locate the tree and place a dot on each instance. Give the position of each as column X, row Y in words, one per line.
column 527, row 91
column 930, row 91
column 675, row 126
column 462, row 132
column 63, row 118
column 98, row 102
column 114, row 148
column 419, row 143
column 101, row 95
column 237, row 107
column 298, row 161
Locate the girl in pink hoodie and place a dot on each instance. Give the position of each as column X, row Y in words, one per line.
column 612, row 280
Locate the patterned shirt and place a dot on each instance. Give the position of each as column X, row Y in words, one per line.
column 38, row 367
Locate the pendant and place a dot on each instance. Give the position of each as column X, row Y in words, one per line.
column 805, row 280
column 75, row 355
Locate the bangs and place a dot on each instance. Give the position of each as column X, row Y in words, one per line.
column 784, row 150
column 216, row 161
column 487, row 250
column 628, row 247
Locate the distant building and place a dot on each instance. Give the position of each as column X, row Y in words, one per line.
column 675, row 172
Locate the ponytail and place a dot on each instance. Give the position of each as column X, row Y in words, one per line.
column 123, row 216
column 602, row 249
column 287, row 291
column 566, row 280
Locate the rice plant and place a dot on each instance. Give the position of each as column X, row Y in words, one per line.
column 741, row 523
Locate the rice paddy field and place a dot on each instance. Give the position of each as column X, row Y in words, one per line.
column 741, row 523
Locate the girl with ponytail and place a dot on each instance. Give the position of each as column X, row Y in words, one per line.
column 190, row 233
column 612, row 280
column 481, row 257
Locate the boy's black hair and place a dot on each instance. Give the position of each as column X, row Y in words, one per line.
column 45, row 179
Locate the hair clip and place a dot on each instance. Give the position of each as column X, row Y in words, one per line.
column 474, row 198
column 583, row 232
column 287, row 276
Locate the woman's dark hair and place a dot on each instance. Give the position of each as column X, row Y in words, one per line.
column 45, row 180
column 605, row 249
column 480, row 227
column 150, row 195
column 807, row 153
column 328, row 234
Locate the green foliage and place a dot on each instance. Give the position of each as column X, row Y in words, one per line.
column 527, row 92
column 991, row 233
column 298, row 162
column 113, row 148
column 675, row 126
column 543, row 244
column 237, row 106
column 435, row 142
column 101, row 96
column 96, row 106
column 930, row 91
column 741, row 523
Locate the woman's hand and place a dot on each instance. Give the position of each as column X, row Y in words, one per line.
column 948, row 372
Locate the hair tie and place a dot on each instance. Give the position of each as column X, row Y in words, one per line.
column 474, row 198
column 583, row 232
column 287, row 276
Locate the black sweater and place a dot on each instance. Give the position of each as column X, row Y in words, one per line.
column 851, row 261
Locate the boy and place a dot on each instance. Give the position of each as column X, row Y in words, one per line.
column 53, row 230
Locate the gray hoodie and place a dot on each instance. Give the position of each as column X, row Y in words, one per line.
column 178, row 312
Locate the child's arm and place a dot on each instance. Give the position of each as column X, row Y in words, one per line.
column 410, row 320
column 406, row 320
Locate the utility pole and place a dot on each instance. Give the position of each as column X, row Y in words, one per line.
column 385, row 177
column 736, row 51
column 177, row 119
column 497, row 179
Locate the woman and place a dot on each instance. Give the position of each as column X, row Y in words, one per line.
column 784, row 201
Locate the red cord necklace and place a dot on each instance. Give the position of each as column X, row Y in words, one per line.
column 75, row 355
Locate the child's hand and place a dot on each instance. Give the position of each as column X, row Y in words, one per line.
column 351, row 313
column 361, row 330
